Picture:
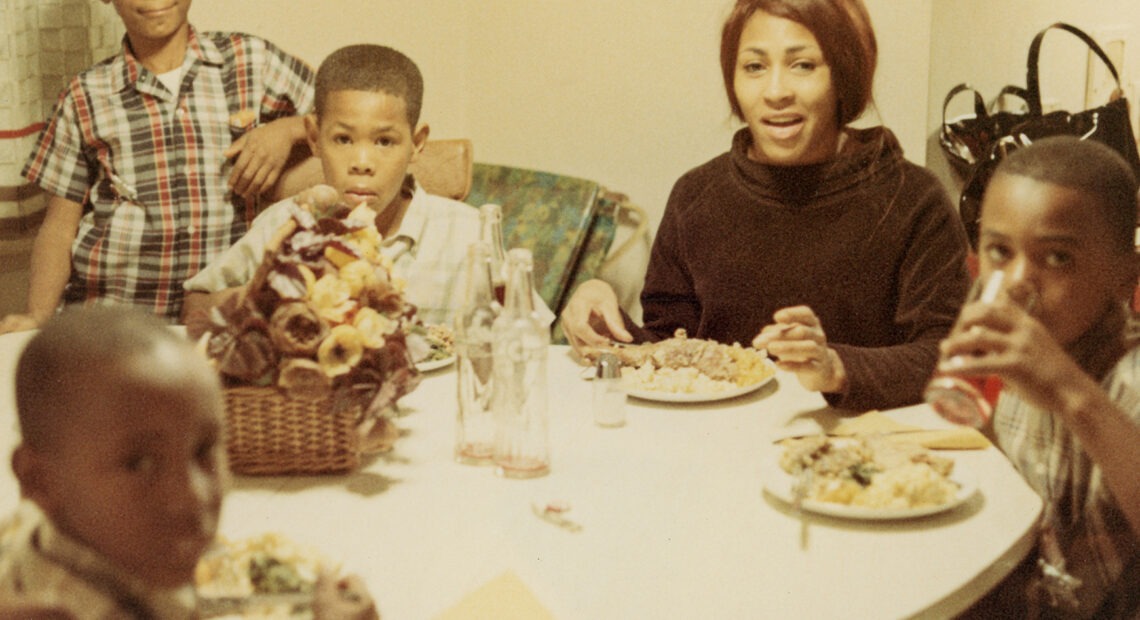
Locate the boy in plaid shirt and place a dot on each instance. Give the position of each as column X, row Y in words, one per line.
column 153, row 160
column 1059, row 219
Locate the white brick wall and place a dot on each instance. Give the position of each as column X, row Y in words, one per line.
column 42, row 44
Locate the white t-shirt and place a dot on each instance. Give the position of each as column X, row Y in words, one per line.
column 172, row 80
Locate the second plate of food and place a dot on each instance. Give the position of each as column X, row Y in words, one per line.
column 908, row 491
column 436, row 364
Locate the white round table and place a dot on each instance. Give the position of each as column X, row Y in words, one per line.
column 674, row 519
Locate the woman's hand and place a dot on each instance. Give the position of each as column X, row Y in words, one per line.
column 797, row 343
column 592, row 317
column 344, row 598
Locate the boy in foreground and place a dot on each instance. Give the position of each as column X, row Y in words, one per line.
column 122, row 457
column 366, row 130
column 1059, row 218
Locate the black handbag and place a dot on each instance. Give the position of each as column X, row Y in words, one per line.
column 1108, row 124
column 967, row 139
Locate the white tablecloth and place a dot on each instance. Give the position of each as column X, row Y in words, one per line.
column 675, row 523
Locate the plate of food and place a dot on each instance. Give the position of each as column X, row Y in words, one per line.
column 435, row 364
column 685, row 388
column 870, row 477
column 440, row 348
column 262, row 576
column 691, row 370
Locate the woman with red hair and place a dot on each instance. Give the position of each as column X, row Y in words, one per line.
column 810, row 238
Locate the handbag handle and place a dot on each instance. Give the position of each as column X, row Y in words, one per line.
column 980, row 110
column 979, row 103
column 1033, row 88
column 1010, row 89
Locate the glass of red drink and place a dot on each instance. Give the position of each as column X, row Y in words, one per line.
column 969, row 400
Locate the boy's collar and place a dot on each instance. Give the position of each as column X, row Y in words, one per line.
column 390, row 221
column 408, row 188
column 83, row 562
column 1097, row 350
column 202, row 48
column 205, row 49
column 412, row 221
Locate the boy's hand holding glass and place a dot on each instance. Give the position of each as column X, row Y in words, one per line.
column 955, row 393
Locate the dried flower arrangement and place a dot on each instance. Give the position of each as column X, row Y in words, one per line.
column 322, row 318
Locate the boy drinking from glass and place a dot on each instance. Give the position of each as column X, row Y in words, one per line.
column 1059, row 219
column 122, row 457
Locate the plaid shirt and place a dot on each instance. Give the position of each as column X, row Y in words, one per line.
column 147, row 164
column 39, row 564
column 1093, row 533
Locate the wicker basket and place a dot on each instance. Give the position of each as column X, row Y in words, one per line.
column 268, row 433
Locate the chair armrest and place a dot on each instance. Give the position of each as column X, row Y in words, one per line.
column 443, row 169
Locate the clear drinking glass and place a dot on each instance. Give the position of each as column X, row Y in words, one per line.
column 475, row 426
column 970, row 401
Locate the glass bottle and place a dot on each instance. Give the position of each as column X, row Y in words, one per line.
column 475, row 425
column 491, row 232
column 519, row 399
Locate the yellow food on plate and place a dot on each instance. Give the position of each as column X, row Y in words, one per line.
column 268, row 564
column 869, row 472
column 431, row 343
column 442, row 341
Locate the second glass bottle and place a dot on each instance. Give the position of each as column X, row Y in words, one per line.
column 519, row 396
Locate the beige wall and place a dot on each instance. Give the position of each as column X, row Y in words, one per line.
column 627, row 93
column 985, row 43
column 42, row 44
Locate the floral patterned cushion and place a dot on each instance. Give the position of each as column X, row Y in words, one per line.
column 568, row 223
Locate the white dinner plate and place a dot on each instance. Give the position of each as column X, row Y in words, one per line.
column 779, row 483
column 701, row 397
column 435, row 364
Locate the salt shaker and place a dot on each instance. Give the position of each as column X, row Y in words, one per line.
column 609, row 398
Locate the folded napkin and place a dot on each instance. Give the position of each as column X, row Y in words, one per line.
column 505, row 597
column 962, row 438
column 878, row 423
column 871, row 423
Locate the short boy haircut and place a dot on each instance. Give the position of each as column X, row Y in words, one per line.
column 1089, row 167
column 373, row 68
column 75, row 344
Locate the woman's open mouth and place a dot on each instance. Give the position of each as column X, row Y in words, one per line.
column 783, row 127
